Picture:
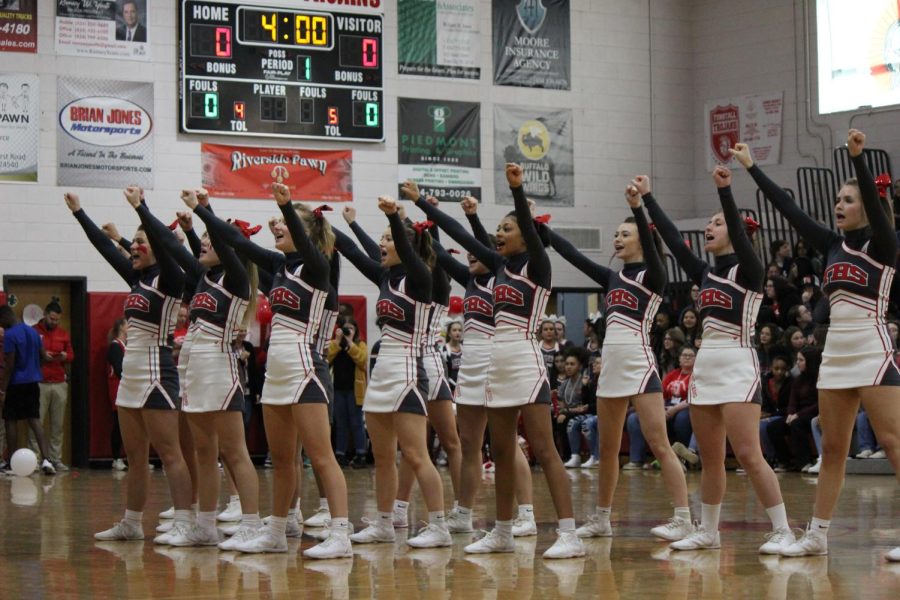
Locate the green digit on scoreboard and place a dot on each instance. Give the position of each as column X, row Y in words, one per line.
column 371, row 114
column 307, row 68
column 211, row 105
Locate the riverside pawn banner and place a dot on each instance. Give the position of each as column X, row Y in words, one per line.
column 19, row 128
column 440, row 147
column 104, row 135
column 540, row 140
column 103, row 28
column 755, row 120
column 532, row 43
column 248, row 173
column 439, row 38
column 18, row 26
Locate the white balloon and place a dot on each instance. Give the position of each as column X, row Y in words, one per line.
column 23, row 462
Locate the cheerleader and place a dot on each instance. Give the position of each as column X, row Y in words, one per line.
column 147, row 398
column 730, row 295
column 440, row 407
column 294, row 396
column 517, row 377
column 857, row 362
column 395, row 400
column 629, row 372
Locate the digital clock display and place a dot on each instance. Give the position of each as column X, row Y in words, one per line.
column 250, row 69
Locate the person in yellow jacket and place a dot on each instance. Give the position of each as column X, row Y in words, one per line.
column 348, row 357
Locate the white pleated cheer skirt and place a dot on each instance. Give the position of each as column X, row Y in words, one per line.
column 857, row 357
column 398, row 383
column 438, row 386
column 725, row 375
column 149, row 379
column 291, row 375
column 517, row 375
column 627, row 370
column 212, row 381
column 184, row 356
column 471, row 381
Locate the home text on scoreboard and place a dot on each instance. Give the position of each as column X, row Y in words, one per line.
column 256, row 70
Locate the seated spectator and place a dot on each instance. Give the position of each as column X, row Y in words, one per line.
column 571, row 404
column 672, row 344
column 689, row 325
column 561, row 339
column 675, row 394
column 799, row 316
column 780, row 296
column 767, row 345
column 589, row 426
column 792, row 342
column 806, row 263
column 558, row 371
column 868, row 444
column 791, row 437
column 661, row 324
column 776, row 392
column 781, row 256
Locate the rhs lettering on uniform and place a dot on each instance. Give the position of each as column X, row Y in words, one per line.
column 474, row 304
column 713, row 297
column 284, row 297
column 204, row 301
column 507, row 294
column 621, row 297
column 388, row 309
column 847, row 272
column 137, row 302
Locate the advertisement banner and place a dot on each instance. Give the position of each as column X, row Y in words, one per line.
column 248, row 173
column 532, row 43
column 439, row 38
column 440, row 147
column 540, row 140
column 18, row 26
column 754, row 120
column 103, row 28
column 19, row 128
column 105, row 133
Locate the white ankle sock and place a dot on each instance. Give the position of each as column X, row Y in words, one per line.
column 134, row 517
column 820, row 525
column 184, row 516
column 437, row 518
column 278, row 525
column 603, row 512
column 250, row 520
column 683, row 512
column 709, row 517
column 401, row 506
column 778, row 516
column 206, row 520
column 323, row 503
column 503, row 528
column 566, row 525
column 463, row 511
column 385, row 520
column 234, row 498
column 526, row 511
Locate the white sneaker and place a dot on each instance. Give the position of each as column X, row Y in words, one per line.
column 814, row 470
column 373, row 534
column 597, row 526
column 590, row 463
column 700, row 539
column 179, row 529
column 321, row 533
column 457, row 523
column 232, row 512
column 336, row 545
column 231, row 529
column 292, row 529
column 573, row 463
column 777, row 540
column 431, row 536
column 48, row 468
column 524, row 527
column 676, row 529
column 879, row 454
column 490, row 543
column 194, row 536
column 243, row 534
column 893, row 555
column 320, row 518
column 119, row 465
column 400, row 519
column 865, row 454
column 488, row 467
column 567, row 545
column 813, row 543
column 165, row 527
column 265, row 540
column 123, row 530
column 169, row 513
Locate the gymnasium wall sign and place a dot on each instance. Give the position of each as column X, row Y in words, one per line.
column 439, row 38
column 18, row 26
column 532, row 43
column 19, row 128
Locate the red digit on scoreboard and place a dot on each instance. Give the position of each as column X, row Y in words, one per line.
column 332, row 115
column 223, row 42
column 370, row 52
column 239, row 110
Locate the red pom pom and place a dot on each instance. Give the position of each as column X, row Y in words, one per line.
column 263, row 311
column 456, row 305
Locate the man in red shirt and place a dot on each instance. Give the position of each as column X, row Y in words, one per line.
column 54, row 385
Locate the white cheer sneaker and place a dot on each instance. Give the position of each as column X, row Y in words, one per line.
column 567, row 545
column 700, row 539
column 597, row 526
column 676, row 529
column 431, row 536
column 490, row 543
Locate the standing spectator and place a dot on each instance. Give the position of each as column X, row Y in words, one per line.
column 549, row 349
column 589, row 427
column 19, row 386
column 115, row 354
column 802, row 407
column 54, row 384
column 348, row 357
column 246, row 361
column 572, row 404
column 3, row 463
column 452, row 352
column 776, row 393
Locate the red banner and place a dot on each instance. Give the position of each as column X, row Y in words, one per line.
column 248, row 173
column 18, row 26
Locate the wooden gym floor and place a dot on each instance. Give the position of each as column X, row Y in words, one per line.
column 48, row 550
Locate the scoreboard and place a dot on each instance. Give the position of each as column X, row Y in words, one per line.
column 279, row 71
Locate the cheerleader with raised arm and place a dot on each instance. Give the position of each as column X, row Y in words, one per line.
column 857, row 362
column 517, row 377
column 147, row 398
column 395, row 400
column 629, row 372
column 729, row 299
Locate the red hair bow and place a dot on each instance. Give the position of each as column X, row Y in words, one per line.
column 751, row 225
column 317, row 212
column 173, row 224
column 652, row 227
column 542, row 219
column 245, row 228
column 453, row 251
column 422, row 226
column 883, row 183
